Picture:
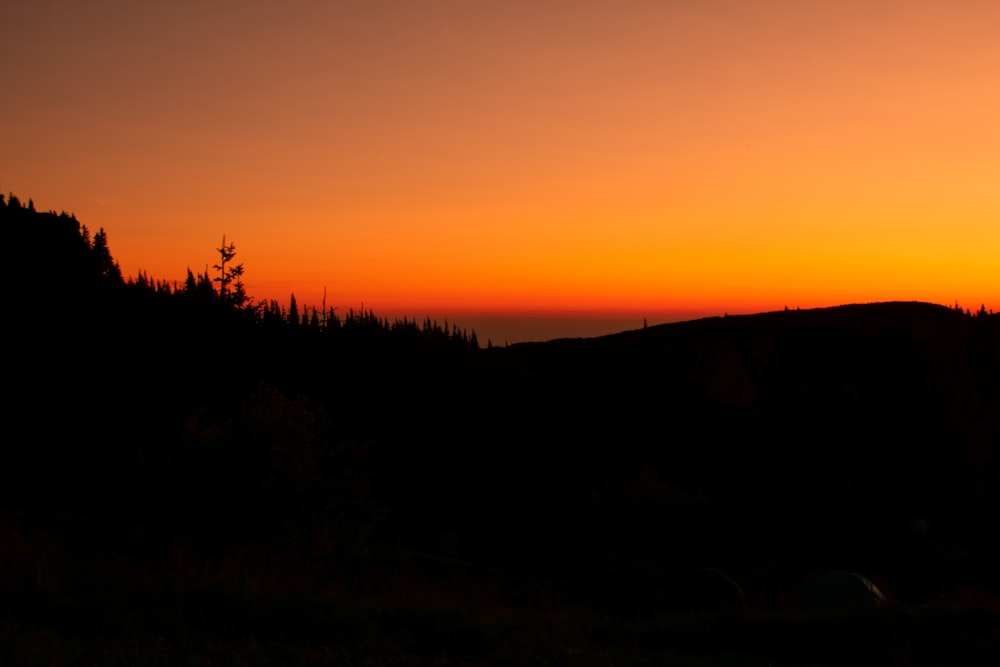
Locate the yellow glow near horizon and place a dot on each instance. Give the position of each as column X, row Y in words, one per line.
column 545, row 158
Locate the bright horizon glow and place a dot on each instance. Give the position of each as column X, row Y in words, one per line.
column 552, row 159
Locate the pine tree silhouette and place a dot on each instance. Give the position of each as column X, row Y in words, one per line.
column 230, row 279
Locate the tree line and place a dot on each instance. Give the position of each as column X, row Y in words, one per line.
column 602, row 459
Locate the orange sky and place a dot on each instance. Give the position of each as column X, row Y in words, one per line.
column 562, row 158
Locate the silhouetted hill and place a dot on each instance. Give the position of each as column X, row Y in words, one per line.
column 890, row 392
column 810, row 433
column 769, row 444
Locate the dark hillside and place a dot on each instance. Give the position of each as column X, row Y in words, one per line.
column 184, row 433
column 817, row 434
column 885, row 384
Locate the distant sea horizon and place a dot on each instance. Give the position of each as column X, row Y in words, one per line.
column 509, row 329
column 501, row 330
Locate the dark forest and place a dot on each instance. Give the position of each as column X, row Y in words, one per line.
column 189, row 476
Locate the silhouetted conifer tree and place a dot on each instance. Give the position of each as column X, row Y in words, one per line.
column 190, row 285
column 106, row 265
column 293, row 311
column 230, row 279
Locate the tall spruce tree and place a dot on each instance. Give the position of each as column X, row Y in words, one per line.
column 230, row 279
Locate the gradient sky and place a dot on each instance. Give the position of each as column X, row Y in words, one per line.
column 460, row 158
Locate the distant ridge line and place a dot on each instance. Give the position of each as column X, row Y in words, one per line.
column 883, row 308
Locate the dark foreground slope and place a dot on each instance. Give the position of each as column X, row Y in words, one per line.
column 185, row 479
column 775, row 443
column 892, row 404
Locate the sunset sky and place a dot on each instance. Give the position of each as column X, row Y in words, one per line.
column 561, row 159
